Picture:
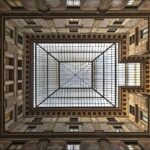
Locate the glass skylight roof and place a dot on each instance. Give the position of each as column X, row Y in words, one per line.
column 79, row 74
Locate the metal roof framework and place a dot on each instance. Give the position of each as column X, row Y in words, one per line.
column 77, row 75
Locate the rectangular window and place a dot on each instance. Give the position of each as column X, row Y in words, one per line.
column 37, row 120
column 111, row 119
column 119, row 21
column 16, row 146
column 19, row 63
column 10, row 61
column 30, row 129
column 144, row 116
column 73, row 146
column 118, row 129
column 112, row 29
column 36, row 29
column 133, row 3
column 73, row 29
column 19, row 109
column 133, row 145
column 72, row 120
column 9, row 32
column 73, row 21
column 132, row 39
column 73, row 3
column 19, row 86
column 10, row 88
column 10, row 74
column 73, row 128
column 30, row 21
column 144, row 33
column 19, row 74
column 8, row 116
column 20, row 39
column 132, row 110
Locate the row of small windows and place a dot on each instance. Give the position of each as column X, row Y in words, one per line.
column 74, row 127
column 77, row 3
column 77, row 146
column 143, row 35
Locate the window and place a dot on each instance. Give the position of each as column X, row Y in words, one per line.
column 19, row 109
column 133, row 145
column 133, row 3
column 8, row 116
column 36, row 29
column 16, row 146
column 132, row 39
column 10, row 61
column 73, row 3
column 30, row 22
column 132, row 110
column 111, row 119
column 19, row 74
column 10, row 88
column 112, row 29
column 144, row 33
column 73, row 21
column 119, row 21
column 73, row 146
column 37, row 120
column 118, row 128
column 31, row 129
column 73, row 29
column 19, row 86
column 20, row 39
column 19, row 63
column 10, row 74
column 9, row 32
column 73, row 128
column 72, row 120
column 144, row 116
column 15, row 3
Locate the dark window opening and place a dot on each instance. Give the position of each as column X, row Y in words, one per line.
column 132, row 39
column 20, row 39
column 144, row 116
column 19, row 109
column 132, row 110
column 144, row 33
column 37, row 120
column 19, row 74
column 112, row 120
column 9, row 32
column 73, row 120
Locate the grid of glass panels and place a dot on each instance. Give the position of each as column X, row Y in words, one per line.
column 80, row 74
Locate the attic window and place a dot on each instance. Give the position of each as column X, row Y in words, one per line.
column 73, row 120
column 133, row 3
column 73, row 3
column 73, row 29
column 112, row 29
column 73, row 21
column 30, row 21
column 119, row 21
column 37, row 30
